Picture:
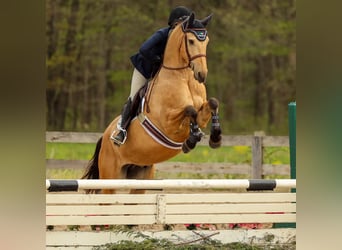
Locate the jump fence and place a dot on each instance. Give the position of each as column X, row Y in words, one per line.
column 234, row 201
column 210, row 201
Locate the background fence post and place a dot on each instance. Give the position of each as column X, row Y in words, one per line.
column 257, row 155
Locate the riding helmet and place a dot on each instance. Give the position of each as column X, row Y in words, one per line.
column 178, row 13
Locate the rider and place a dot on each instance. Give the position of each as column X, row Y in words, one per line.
column 146, row 64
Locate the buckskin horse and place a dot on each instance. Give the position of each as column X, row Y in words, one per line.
column 172, row 113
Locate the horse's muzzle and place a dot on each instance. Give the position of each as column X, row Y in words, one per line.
column 199, row 74
column 201, row 77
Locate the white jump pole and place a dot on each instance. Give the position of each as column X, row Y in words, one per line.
column 73, row 185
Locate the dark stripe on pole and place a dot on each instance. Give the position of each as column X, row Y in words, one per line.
column 63, row 185
column 257, row 185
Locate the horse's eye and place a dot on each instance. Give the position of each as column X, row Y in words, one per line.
column 191, row 41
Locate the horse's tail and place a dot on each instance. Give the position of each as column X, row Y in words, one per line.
column 92, row 170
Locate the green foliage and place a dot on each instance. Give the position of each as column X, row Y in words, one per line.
column 234, row 154
column 167, row 245
column 145, row 242
column 276, row 155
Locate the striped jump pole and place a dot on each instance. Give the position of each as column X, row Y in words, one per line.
column 250, row 185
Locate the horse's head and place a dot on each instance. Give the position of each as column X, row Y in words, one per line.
column 196, row 41
column 190, row 40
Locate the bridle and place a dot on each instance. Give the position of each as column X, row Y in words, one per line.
column 190, row 58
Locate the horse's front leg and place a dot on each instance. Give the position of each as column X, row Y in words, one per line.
column 215, row 131
column 195, row 132
column 207, row 111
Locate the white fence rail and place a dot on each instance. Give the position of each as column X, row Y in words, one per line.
column 212, row 208
column 165, row 208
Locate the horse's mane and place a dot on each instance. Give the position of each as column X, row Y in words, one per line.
column 174, row 42
column 177, row 39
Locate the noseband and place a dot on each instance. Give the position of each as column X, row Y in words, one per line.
column 191, row 58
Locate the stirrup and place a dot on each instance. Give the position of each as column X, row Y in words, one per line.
column 116, row 141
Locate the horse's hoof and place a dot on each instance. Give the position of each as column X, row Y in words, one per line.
column 216, row 144
column 213, row 103
column 185, row 148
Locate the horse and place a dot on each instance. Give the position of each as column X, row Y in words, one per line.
column 172, row 113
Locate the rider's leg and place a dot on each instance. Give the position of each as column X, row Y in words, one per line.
column 138, row 80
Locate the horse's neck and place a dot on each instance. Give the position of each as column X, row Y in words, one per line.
column 172, row 55
column 166, row 93
column 173, row 60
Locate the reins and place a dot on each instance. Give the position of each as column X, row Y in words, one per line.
column 176, row 68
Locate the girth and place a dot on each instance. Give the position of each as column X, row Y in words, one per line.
column 157, row 135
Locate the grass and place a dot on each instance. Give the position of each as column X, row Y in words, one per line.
column 64, row 173
column 233, row 154
column 70, row 151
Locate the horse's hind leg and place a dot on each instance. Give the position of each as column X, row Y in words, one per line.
column 109, row 164
column 140, row 173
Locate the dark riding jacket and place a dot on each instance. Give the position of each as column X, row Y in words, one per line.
column 149, row 58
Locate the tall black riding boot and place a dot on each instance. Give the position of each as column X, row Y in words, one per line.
column 123, row 124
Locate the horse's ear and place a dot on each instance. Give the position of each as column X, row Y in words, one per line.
column 206, row 20
column 188, row 21
column 191, row 18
